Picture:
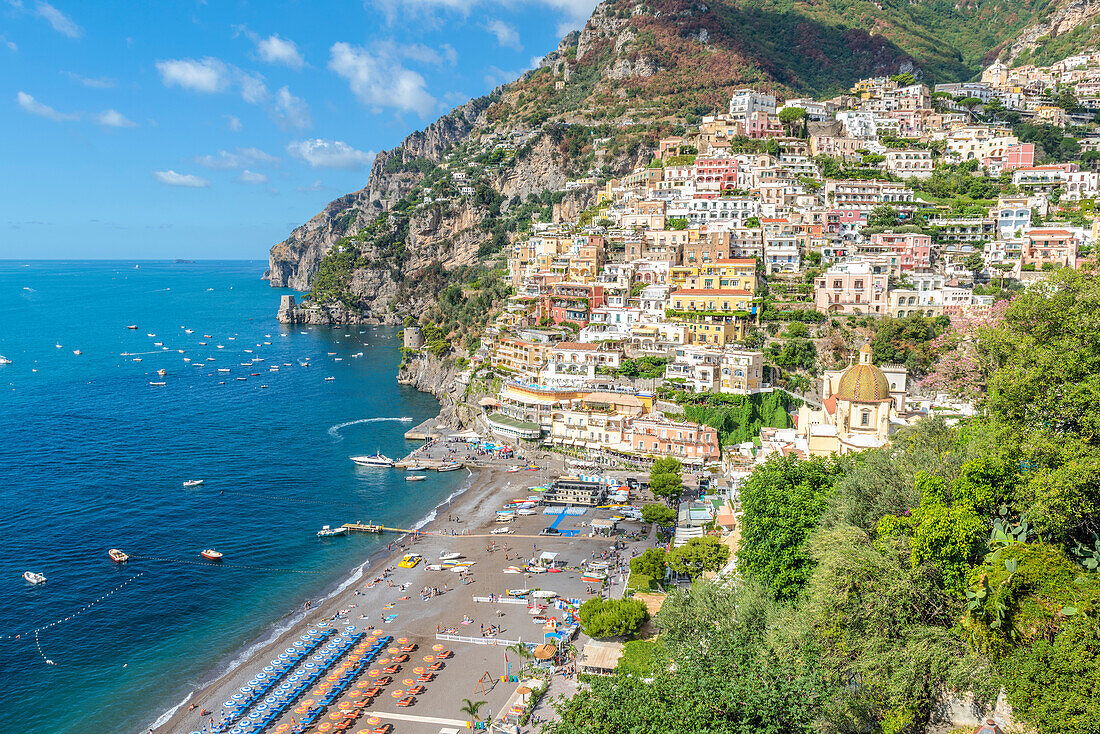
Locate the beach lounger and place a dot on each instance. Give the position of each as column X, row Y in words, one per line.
column 425, row 677
column 400, row 659
column 391, row 669
column 436, row 666
column 406, row 701
column 408, row 648
column 415, row 690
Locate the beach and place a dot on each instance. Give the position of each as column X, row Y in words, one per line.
column 370, row 600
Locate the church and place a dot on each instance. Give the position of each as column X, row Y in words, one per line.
column 861, row 405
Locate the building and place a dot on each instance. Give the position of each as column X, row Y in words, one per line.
column 859, row 410
column 1048, row 247
column 746, row 102
column 575, row 491
column 742, row 372
column 714, row 316
column 698, row 367
column 865, row 195
column 909, row 249
column 657, row 436
column 915, row 162
column 856, row 288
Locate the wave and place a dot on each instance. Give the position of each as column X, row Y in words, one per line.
column 334, row 431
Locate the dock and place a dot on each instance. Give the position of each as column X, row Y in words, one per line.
column 358, row 527
column 425, row 431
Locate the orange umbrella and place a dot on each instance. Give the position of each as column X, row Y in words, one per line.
column 282, row 727
column 336, row 715
column 374, row 720
column 419, row 669
column 408, row 682
column 429, row 658
column 437, row 648
column 393, row 650
column 301, row 709
column 332, row 678
column 324, row 727
column 345, row 705
column 383, row 661
column 308, row 702
column 402, row 640
column 364, row 684
column 398, row 693
column 374, row 673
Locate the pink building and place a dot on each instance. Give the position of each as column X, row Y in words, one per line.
column 692, row 443
column 912, row 249
column 1057, row 247
column 851, row 288
column 761, row 125
column 1021, row 155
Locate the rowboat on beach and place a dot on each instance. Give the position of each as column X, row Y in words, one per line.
column 451, row 466
column 445, row 556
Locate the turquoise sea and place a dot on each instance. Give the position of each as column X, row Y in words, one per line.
column 93, row 457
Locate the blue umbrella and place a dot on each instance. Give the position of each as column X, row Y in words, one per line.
column 229, row 704
column 238, row 696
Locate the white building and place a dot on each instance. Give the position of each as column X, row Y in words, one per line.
column 745, row 102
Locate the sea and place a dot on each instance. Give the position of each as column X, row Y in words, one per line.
column 93, row 456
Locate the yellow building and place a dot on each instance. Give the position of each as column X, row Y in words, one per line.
column 736, row 274
column 714, row 316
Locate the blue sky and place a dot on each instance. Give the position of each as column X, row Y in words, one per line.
column 210, row 129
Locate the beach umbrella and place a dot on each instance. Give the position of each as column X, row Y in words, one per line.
column 429, row 658
column 374, row 673
column 255, row 714
column 364, row 684
column 238, row 696
column 402, row 640
column 229, row 704
column 324, row 727
column 393, row 650
column 398, row 693
column 311, row 665
column 419, row 669
column 374, row 720
column 291, row 650
column 336, row 715
column 246, row 689
column 437, row 648
column 408, row 682
column 261, row 707
column 282, row 727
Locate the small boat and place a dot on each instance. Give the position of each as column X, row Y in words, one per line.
column 378, row 459
column 77, row 352
column 450, row 466
column 188, row 331
column 527, row 511
column 193, row 483
column 518, row 592
column 513, row 470
column 415, row 467
column 223, row 369
column 158, row 384
column 329, row 379
column 132, row 327
column 435, row 567
column 4, row 360
column 137, row 359
column 416, row 478
column 118, row 556
column 327, row 531
column 210, row 359
column 211, row 555
column 242, row 379
column 158, row 344
column 449, row 556
column 162, row 372
column 501, row 531
column 34, row 578
column 207, row 336
column 150, row 335
column 186, row 359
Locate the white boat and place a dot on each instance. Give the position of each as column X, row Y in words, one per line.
column 34, row 578
column 193, row 483
column 223, row 369
column 132, row 327
column 329, row 379
column 449, row 556
column 527, row 511
column 378, row 459
column 435, row 567
column 188, row 331
column 513, row 470
column 58, row 345
column 415, row 467
column 4, row 360
column 77, row 352
column 416, row 477
column 118, row 556
column 158, row 384
column 451, row 466
column 327, row 531
column 501, row 531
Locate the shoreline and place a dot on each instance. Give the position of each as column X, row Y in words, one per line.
column 295, row 622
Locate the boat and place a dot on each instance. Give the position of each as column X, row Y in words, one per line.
column 501, row 531
column 150, row 335
column 188, row 331
column 4, row 360
column 137, row 359
column 162, row 372
column 449, row 556
column 410, row 560
column 329, row 379
column 517, row 592
column 378, row 459
column 57, row 344
column 513, row 470
column 415, row 467
column 450, row 466
column 77, row 352
column 211, row 555
column 193, row 483
column 435, row 567
column 34, row 578
column 416, row 478
column 118, row 556
column 158, row 344
column 158, row 384
column 527, row 511
column 327, row 531
column 132, row 327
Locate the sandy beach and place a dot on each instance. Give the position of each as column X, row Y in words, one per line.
column 395, row 604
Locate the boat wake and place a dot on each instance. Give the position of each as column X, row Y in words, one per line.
column 334, row 431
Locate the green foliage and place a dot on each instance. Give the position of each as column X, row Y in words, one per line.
column 646, row 368
column 651, row 563
column 795, row 353
column 782, row 502
column 612, row 618
column 699, row 555
column 639, row 657
column 738, row 418
column 659, row 514
column 664, row 478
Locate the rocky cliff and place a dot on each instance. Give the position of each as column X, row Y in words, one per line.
column 431, row 374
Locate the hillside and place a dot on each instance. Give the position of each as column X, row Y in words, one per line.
column 454, row 194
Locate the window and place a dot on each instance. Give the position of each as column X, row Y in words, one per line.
column 865, row 418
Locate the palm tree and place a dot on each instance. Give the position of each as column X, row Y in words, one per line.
column 471, row 708
column 521, row 652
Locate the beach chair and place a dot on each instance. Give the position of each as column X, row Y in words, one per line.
column 400, row 659
column 408, row 648
column 406, row 701
column 425, row 677
column 415, row 690
column 384, row 680
column 391, row 669
column 382, row 729
column 436, row 666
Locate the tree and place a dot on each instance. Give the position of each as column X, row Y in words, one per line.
column 612, row 617
column 659, row 514
column 793, row 117
column 974, row 262
column 782, row 502
column 472, row 708
column 883, row 215
column 664, row 478
column 651, row 563
column 699, row 555
column 520, row 651
column 1066, row 99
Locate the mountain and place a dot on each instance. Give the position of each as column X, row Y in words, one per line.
column 460, row 190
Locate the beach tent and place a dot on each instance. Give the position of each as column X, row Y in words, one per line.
column 547, row 559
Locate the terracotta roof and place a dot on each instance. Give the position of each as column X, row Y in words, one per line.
column 577, row 345
column 1059, row 232
column 737, row 261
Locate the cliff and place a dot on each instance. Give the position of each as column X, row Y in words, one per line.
column 434, row 375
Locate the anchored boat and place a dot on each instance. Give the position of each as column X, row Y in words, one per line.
column 118, row 556
column 34, row 578
column 193, row 483
column 327, row 531
column 378, row 459
column 416, row 478
column 211, row 555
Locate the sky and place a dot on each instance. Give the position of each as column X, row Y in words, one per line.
column 209, row 129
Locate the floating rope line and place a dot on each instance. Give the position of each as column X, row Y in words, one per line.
column 219, row 564
column 39, row 646
column 75, row 614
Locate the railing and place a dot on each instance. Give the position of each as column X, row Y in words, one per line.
column 492, row 641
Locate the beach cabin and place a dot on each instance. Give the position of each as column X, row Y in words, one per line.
column 599, row 657
column 604, row 526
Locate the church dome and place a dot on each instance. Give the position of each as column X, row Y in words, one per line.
column 863, row 382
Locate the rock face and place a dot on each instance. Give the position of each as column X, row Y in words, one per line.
column 1065, row 18
column 430, row 374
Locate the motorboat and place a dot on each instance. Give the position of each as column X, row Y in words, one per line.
column 150, row 335
column 449, row 466
column 118, row 556
column 416, row 478
column 34, row 578
column 327, row 531
column 445, row 556
column 162, row 372
column 4, row 360
column 378, row 459
column 193, row 483
column 517, row 592
column 329, row 379
column 158, row 384
column 415, row 467
column 223, row 369
column 132, row 327
column 188, row 331
column 501, row 531
column 211, row 555
column 513, row 470
column 526, row 511
column 77, row 352
column 57, row 344
column 435, row 567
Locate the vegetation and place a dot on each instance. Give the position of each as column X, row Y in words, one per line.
column 699, row 555
column 664, row 478
column 738, row 418
column 612, row 617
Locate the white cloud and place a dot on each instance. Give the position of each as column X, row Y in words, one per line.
column 10, row 44
column 450, row 54
column 290, row 111
column 315, row 186
column 379, row 79
column 573, row 13
column 233, row 123
column 102, row 82
column 114, row 118
column 239, row 158
column 320, row 153
column 507, row 35
column 251, row 177
column 187, row 180
column 60, row 22
column 33, row 106
column 276, row 50
column 210, row 75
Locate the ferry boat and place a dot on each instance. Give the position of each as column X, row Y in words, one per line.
column 378, row 459
column 193, row 483
column 450, row 466
column 327, row 531
column 211, row 555
column 416, row 478
column 34, row 578
column 118, row 556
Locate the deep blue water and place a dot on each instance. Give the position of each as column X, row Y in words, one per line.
column 93, row 457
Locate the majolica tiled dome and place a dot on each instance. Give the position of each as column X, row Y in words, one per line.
column 863, row 382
